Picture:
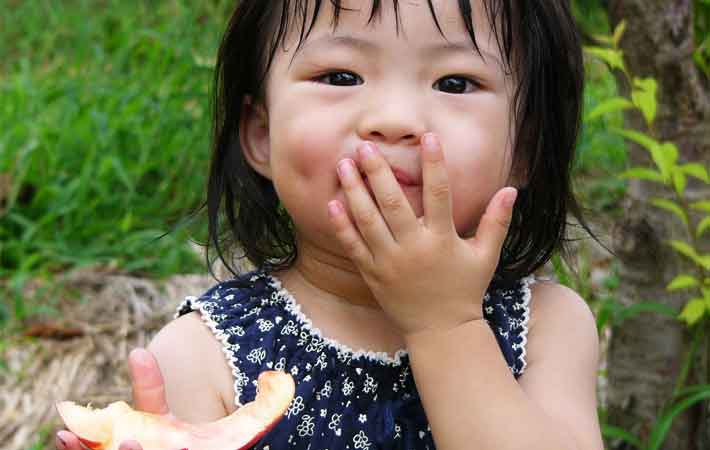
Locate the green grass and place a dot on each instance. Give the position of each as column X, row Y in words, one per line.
column 104, row 137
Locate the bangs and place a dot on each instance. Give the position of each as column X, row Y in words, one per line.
column 296, row 12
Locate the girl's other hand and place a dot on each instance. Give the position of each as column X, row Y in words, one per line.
column 148, row 395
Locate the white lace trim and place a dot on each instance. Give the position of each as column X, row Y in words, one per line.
column 295, row 308
column 527, row 296
column 222, row 337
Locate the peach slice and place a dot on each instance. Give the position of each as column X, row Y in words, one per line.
column 106, row 428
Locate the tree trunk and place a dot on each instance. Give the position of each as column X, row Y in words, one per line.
column 646, row 351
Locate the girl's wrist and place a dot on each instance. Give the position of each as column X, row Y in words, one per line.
column 434, row 335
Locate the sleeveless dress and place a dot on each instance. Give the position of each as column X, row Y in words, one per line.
column 344, row 399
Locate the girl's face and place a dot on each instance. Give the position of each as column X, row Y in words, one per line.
column 365, row 82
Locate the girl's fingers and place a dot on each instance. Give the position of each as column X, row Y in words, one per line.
column 493, row 227
column 393, row 202
column 435, row 186
column 66, row 440
column 367, row 217
column 130, row 445
column 348, row 236
column 147, row 382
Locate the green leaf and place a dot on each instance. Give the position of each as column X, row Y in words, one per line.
column 665, row 157
column 703, row 205
column 127, row 222
column 642, row 139
column 686, row 250
column 642, row 173
column 641, row 307
column 664, row 423
column 612, row 432
column 671, row 206
column 679, row 181
column 618, row 33
column 693, row 311
column 614, row 58
column 689, row 390
column 644, row 97
column 603, row 38
column 682, row 282
column 610, row 105
column 703, row 226
column 696, row 170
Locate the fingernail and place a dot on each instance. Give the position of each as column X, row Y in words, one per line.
column 140, row 356
column 429, row 142
column 510, row 197
column 334, row 208
column 366, row 150
column 346, row 167
column 63, row 443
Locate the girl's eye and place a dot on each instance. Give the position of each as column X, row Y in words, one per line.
column 340, row 79
column 456, row 85
column 450, row 84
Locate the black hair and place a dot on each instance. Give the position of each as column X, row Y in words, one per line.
column 540, row 45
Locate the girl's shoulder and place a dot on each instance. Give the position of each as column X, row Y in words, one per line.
column 552, row 306
column 191, row 360
column 548, row 297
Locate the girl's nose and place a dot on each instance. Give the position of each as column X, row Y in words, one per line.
column 395, row 117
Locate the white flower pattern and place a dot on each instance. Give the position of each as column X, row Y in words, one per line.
column 306, row 427
column 348, row 387
column 334, row 421
column 296, row 407
column 262, row 328
column 361, row 441
column 327, row 389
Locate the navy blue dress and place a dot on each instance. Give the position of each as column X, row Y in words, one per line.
column 344, row 399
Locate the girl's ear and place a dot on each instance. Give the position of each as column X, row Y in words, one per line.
column 254, row 136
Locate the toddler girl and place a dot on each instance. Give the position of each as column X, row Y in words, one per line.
column 367, row 157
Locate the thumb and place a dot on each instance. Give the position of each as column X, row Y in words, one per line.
column 147, row 382
column 493, row 227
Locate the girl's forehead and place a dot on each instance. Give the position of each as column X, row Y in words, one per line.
column 439, row 19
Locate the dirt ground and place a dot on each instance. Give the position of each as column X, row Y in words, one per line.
column 82, row 355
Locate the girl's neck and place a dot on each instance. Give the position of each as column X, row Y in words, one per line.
column 333, row 294
column 326, row 278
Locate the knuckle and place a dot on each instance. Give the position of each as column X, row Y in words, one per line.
column 503, row 221
column 391, row 201
column 439, row 190
column 351, row 246
column 367, row 218
column 384, row 275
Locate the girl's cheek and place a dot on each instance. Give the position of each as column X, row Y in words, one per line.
column 309, row 149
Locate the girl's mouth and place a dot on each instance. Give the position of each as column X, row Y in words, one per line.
column 406, row 188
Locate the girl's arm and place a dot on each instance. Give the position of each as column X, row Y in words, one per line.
column 472, row 399
column 179, row 374
column 198, row 381
column 431, row 283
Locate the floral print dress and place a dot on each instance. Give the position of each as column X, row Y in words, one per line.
column 344, row 399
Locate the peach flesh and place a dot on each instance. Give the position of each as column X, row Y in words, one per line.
column 105, row 429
